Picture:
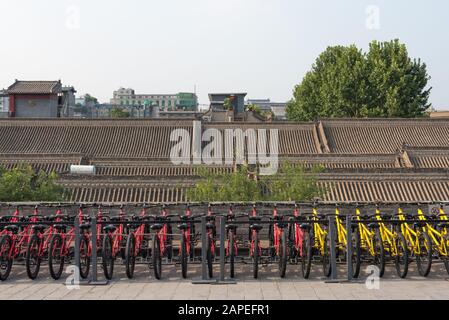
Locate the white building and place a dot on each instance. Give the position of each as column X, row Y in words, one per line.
column 4, row 104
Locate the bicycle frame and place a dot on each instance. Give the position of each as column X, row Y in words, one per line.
column 117, row 235
column 319, row 233
column 439, row 238
column 20, row 240
column 299, row 233
column 341, row 231
column 410, row 234
column 230, row 218
column 366, row 235
column 139, row 233
column 253, row 236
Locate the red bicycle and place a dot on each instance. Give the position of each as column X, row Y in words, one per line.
column 13, row 242
column 113, row 243
column 61, row 243
column 136, row 243
column 255, row 249
column 162, row 241
column 38, row 244
column 278, row 241
column 231, row 241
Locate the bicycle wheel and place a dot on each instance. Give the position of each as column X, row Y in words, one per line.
column 424, row 259
column 169, row 242
column 184, row 257
column 55, row 256
column 156, row 257
column 446, row 263
column 33, row 259
column 401, row 257
column 282, row 255
column 5, row 258
column 291, row 242
column 327, row 269
column 356, row 253
column 231, row 253
column 256, row 256
column 271, row 240
column 108, row 259
column 306, row 255
column 130, row 255
column 209, row 258
column 379, row 253
column 84, row 264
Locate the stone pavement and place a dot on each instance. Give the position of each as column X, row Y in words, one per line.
column 268, row 287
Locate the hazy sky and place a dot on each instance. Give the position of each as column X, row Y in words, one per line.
column 263, row 47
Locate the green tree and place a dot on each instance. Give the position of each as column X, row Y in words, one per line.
column 291, row 183
column 89, row 98
column 119, row 113
column 345, row 82
column 398, row 83
column 24, row 184
column 227, row 104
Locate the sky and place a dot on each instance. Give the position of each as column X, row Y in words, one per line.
column 262, row 47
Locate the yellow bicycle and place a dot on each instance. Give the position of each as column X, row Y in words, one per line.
column 394, row 244
column 371, row 244
column 315, row 242
column 438, row 234
column 418, row 242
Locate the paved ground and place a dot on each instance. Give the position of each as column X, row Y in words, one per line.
column 269, row 286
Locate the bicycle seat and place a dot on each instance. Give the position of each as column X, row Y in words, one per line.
column 282, row 224
column 39, row 227
column 183, row 226
column 254, row 218
column 60, row 227
column 419, row 224
column 157, row 226
column 110, row 228
column 12, row 228
column 305, row 226
column 443, row 225
column 84, row 226
column 210, row 225
column 231, row 226
column 373, row 225
column 256, row 227
column 185, row 217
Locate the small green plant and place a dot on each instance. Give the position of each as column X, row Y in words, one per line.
column 24, row 184
column 293, row 182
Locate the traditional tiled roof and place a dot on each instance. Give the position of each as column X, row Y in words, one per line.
column 384, row 136
column 35, row 87
column 364, row 160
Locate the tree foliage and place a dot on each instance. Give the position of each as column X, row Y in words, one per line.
column 345, row 82
column 24, row 184
column 119, row 113
column 291, row 183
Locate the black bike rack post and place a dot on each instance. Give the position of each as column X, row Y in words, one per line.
column 333, row 256
column 204, row 276
column 76, row 226
column 223, row 279
column 94, row 279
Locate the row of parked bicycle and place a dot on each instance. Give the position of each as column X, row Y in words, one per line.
column 292, row 238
